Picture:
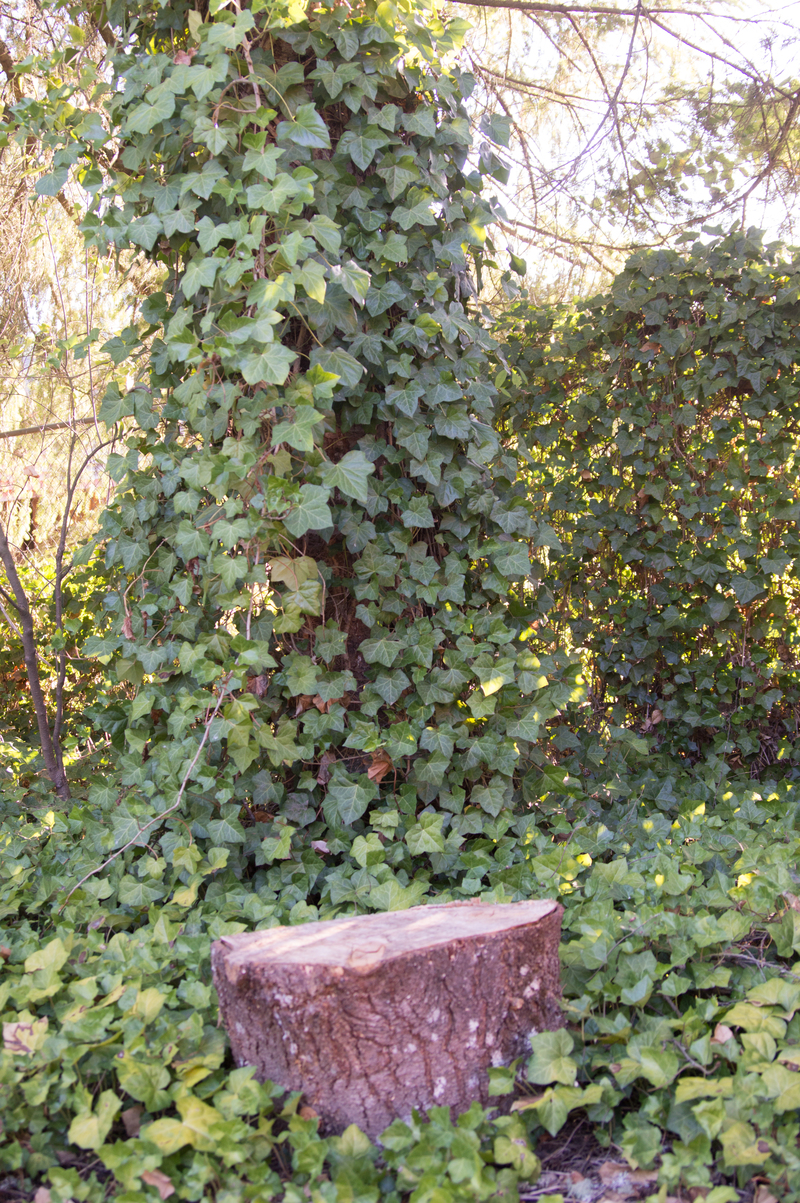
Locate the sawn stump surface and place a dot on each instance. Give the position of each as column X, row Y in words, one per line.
column 374, row 1015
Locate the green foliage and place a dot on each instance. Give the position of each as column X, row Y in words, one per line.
column 681, row 970
column 660, row 425
column 329, row 687
column 316, row 532
column 83, row 680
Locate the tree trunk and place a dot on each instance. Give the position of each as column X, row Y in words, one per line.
column 51, row 751
column 375, row 1015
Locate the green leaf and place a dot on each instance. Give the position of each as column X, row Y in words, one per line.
column 88, row 1129
column 350, row 799
column 270, row 366
column 746, row 589
column 298, row 431
column 51, row 184
column 551, row 1061
column 351, row 475
column 362, row 147
column 311, row 512
column 381, row 648
column 341, row 364
column 199, row 273
column 353, row 279
column 391, row 896
column 307, row 129
column 145, row 117
column 145, row 230
column 426, row 835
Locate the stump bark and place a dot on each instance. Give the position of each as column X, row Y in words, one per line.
column 375, row 1015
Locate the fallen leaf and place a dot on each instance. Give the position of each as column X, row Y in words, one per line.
column 160, row 1181
column 320, row 846
column 323, row 707
column 5, row 952
column 764, row 1195
column 131, row 1118
column 42, row 1195
column 610, row 1170
column 258, row 685
column 793, row 901
column 381, row 765
column 325, row 761
column 183, row 58
column 722, row 1033
column 656, row 717
column 307, row 1112
column 303, row 702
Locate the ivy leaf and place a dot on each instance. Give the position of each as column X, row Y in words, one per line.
column 338, row 362
column 294, row 572
column 746, row 589
column 353, row 279
column 391, row 896
column 52, row 183
column 350, row 475
column 298, row 431
column 310, row 512
column 551, row 1061
column 145, row 117
column 307, row 129
column 145, row 230
column 426, row 835
column 199, row 273
column 381, row 648
column 270, row 366
column 362, row 147
column 350, row 799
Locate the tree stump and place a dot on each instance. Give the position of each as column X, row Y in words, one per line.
column 374, row 1015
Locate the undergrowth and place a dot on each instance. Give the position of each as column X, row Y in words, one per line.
column 681, row 976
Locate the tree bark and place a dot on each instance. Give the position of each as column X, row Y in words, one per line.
column 50, row 751
column 373, row 1016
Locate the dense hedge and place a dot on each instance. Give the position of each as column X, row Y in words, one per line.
column 661, row 422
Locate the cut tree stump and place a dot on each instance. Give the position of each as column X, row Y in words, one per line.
column 375, row 1015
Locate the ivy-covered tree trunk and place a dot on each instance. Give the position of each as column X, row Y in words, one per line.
column 315, row 517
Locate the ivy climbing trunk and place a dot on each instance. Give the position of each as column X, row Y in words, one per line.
column 314, row 504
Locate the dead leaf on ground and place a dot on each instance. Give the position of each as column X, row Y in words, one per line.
column 623, row 1182
column 722, row 1033
column 5, row 952
column 320, row 846
column 793, row 901
column 304, row 701
column 323, row 707
column 131, row 1118
column 381, row 765
column 160, row 1181
column 325, row 762
column 307, row 1112
column 764, row 1195
column 42, row 1195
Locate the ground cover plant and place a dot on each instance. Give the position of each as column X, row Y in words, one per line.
column 328, row 683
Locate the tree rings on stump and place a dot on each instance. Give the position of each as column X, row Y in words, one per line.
column 375, row 1015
